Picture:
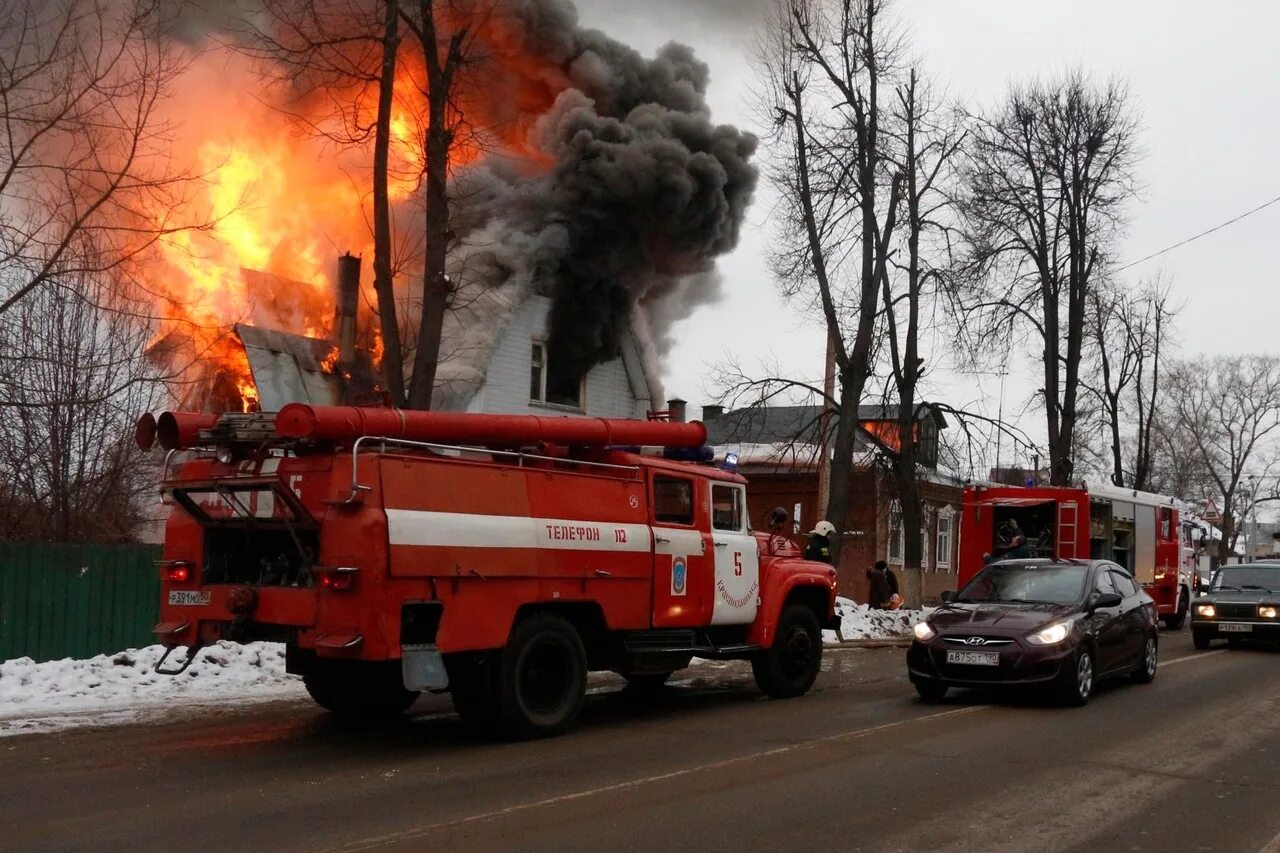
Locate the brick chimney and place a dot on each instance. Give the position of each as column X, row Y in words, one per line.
column 344, row 324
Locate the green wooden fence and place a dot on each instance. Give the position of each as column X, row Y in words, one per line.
column 60, row 600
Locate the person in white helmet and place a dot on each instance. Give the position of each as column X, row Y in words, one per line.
column 819, row 548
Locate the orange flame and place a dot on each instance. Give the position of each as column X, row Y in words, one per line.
column 279, row 205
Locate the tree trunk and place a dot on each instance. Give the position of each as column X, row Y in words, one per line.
column 435, row 283
column 842, row 458
column 383, row 284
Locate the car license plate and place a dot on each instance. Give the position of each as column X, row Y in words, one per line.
column 974, row 658
column 189, row 598
column 1229, row 628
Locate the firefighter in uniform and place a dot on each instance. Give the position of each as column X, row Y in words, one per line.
column 820, row 543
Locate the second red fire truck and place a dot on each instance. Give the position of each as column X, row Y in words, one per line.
column 1137, row 530
column 500, row 558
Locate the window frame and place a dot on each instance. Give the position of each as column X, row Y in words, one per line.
column 895, row 511
column 948, row 515
column 543, row 364
column 538, row 360
column 693, row 496
column 740, row 506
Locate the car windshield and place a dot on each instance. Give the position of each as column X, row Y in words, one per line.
column 1248, row 578
column 1016, row 583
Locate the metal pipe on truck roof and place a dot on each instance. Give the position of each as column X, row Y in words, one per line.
column 180, row 430
column 347, row 423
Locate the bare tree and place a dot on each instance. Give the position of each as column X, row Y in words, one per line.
column 1227, row 411
column 924, row 145
column 68, row 467
column 1049, row 173
column 83, row 156
column 346, row 51
column 839, row 193
column 445, row 32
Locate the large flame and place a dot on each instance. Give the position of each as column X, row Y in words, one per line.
column 280, row 202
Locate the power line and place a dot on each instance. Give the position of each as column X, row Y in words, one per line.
column 1205, row 233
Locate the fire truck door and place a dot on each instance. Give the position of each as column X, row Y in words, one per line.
column 682, row 567
column 737, row 560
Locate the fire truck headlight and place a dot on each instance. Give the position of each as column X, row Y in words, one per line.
column 1267, row 612
column 1051, row 635
column 1208, row 611
column 924, row 633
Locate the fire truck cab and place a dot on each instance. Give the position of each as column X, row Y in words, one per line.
column 500, row 558
column 1137, row 530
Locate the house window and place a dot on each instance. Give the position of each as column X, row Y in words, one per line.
column 895, row 534
column 924, row 538
column 549, row 385
column 945, row 521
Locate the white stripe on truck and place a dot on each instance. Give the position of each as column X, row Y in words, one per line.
column 469, row 530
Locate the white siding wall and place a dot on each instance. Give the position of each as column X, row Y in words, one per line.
column 609, row 388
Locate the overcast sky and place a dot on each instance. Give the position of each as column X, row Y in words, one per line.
column 1204, row 84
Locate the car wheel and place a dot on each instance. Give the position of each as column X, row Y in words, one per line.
column 1146, row 671
column 1078, row 680
column 1200, row 639
column 931, row 691
column 789, row 667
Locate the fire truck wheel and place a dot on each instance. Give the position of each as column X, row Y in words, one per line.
column 789, row 667
column 541, row 678
column 359, row 690
column 1175, row 621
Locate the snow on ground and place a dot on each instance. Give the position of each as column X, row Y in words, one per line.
column 860, row 622
column 122, row 687
column 118, row 688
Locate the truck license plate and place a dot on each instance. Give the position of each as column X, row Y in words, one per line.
column 974, row 658
column 1229, row 628
column 189, row 598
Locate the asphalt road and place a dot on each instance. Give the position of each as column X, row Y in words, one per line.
column 1189, row 763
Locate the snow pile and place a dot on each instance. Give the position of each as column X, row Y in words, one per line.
column 113, row 688
column 860, row 622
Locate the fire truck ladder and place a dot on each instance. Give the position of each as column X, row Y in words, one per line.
column 1068, row 515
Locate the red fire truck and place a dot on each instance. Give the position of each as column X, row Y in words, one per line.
column 500, row 558
column 1137, row 530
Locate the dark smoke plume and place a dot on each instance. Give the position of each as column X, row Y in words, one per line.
column 642, row 193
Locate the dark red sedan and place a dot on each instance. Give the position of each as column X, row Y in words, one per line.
column 1062, row 625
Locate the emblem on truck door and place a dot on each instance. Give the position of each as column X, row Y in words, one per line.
column 679, row 575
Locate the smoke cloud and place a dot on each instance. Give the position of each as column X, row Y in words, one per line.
column 642, row 193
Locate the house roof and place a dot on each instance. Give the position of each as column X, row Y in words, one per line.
column 794, row 424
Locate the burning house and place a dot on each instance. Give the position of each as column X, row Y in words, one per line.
column 586, row 213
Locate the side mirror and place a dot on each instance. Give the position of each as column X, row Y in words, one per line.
column 1106, row 599
column 948, row 595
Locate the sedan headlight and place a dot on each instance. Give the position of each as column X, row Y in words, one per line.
column 923, row 632
column 1208, row 611
column 1051, row 635
column 1267, row 612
